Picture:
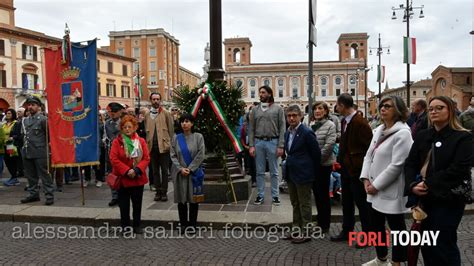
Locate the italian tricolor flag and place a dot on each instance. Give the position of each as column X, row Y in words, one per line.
column 137, row 86
column 409, row 50
column 380, row 73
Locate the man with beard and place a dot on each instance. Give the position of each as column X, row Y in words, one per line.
column 35, row 153
column 159, row 129
column 267, row 128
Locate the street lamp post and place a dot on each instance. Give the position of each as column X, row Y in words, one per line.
column 379, row 50
column 408, row 12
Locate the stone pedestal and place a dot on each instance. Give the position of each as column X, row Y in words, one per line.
column 220, row 192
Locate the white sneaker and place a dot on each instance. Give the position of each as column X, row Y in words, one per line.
column 98, row 184
column 377, row 262
column 85, row 184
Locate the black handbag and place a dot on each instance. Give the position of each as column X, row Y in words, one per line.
column 464, row 190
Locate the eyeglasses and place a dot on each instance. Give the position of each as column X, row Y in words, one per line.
column 436, row 108
column 174, row 110
column 386, row 106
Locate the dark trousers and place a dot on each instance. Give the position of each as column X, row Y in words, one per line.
column 124, row 196
column 250, row 165
column 395, row 222
column 12, row 164
column 188, row 218
column 321, row 196
column 446, row 220
column 353, row 191
column 160, row 163
column 20, row 163
column 88, row 173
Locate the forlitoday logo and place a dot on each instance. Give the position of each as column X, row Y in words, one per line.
column 395, row 238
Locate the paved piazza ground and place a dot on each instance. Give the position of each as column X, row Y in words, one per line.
column 212, row 249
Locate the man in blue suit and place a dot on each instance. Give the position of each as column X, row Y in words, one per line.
column 303, row 158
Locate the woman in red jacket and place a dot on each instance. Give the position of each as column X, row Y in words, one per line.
column 129, row 157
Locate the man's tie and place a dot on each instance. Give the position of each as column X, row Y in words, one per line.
column 343, row 126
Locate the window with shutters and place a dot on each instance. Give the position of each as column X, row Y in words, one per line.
column 152, row 66
column 3, row 78
column 98, row 89
column 111, row 90
column 136, row 52
column 98, row 65
column 125, row 91
column 2, row 47
column 29, row 81
column 153, row 80
column 124, row 70
column 29, row 52
column 110, row 67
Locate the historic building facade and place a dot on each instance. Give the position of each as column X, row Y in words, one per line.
column 22, row 65
column 115, row 82
column 157, row 55
column 289, row 80
column 188, row 78
column 418, row 90
column 454, row 82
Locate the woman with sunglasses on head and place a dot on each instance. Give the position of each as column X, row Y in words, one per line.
column 438, row 164
column 382, row 175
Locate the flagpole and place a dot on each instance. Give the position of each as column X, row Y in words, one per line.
column 310, row 60
column 408, row 62
column 138, row 85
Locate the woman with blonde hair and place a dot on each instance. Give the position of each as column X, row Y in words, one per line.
column 436, row 170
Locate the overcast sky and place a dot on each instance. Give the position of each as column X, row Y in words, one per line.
column 277, row 28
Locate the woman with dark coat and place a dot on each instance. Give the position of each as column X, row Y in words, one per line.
column 129, row 157
column 437, row 165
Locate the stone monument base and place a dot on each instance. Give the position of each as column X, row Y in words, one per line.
column 220, row 192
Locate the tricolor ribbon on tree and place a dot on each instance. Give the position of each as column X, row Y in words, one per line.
column 206, row 93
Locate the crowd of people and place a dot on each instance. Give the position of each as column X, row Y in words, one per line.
column 398, row 161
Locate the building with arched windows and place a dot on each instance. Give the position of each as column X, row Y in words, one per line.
column 289, row 80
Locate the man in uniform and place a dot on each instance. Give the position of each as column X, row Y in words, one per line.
column 35, row 153
column 112, row 130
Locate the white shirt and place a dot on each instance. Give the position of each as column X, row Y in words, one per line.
column 348, row 120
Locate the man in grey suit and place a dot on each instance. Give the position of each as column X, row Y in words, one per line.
column 35, row 152
column 112, row 130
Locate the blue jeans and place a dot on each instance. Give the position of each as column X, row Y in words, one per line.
column 335, row 182
column 266, row 150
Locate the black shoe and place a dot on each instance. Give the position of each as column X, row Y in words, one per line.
column 157, row 197
column 164, row 198
column 276, row 201
column 138, row 230
column 258, row 201
column 342, row 236
column 49, row 201
column 113, row 202
column 30, row 199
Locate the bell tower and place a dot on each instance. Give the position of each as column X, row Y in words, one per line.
column 7, row 12
column 353, row 46
column 237, row 51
